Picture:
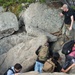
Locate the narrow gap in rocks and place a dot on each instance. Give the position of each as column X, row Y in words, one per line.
column 21, row 26
column 21, row 29
column 32, row 68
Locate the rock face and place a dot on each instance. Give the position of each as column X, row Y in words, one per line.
column 8, row 42
column 1, row 9
column 23, row 53
column 58, row 44
column 36, row 73
column 8, row 24
column 43, row 17
column 72, row 71
column 38, row 32
column 40, row 22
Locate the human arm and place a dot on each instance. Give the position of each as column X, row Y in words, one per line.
column 67, row 68
column 61, row 14
column 72, row 20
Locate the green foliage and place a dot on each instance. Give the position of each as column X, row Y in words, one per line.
column 15, row 5
column 42, row 1
column 17, row 9
column 73, row 7
column 7, row 4
column 22, row 1
column 30, row 1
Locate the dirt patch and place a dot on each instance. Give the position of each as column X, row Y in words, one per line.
column 55, row 4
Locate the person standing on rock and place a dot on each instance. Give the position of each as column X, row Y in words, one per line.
column 14, row 70
column 68, row 22
column 43, row 53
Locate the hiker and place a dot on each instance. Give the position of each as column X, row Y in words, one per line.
column 14, row 70
column 68, row 22
column 70, row 58
column 52, row 64
column 43, row 54
column 56, row 67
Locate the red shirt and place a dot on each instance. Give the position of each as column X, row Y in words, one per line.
column 73, row 52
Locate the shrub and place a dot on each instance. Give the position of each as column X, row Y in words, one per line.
column 15, row 5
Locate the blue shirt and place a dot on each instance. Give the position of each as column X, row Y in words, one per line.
column 9, row 72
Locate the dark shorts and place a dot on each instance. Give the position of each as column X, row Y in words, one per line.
column 68, row 62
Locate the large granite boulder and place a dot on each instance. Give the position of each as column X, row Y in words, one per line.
column 23, row 53
column 8, row 24
column 56, row 46
column 43, row 17
column 8, row 42
column 38, row 32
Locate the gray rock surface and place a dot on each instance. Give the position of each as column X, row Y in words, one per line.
column 36, row 73
column 43, row 17
column 40, row 22
column 72, row 71
column 1, row 9
column 8, row 42
column 58, row 44
column 23, row 53
column 38, row 32
column 8, row 24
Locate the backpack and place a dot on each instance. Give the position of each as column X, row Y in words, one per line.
column 43, row 53
column 49, row 66
column 7, row 71
column 67, row 47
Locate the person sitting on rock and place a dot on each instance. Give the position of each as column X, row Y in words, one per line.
column 14, row 70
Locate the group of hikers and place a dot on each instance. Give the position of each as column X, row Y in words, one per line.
column 47, row 60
